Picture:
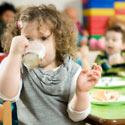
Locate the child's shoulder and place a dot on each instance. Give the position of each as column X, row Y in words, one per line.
column 70, row 62
column 71, row 65
column 102, row 56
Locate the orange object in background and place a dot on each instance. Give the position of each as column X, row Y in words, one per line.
column 119, row 7
column 5, row 108
column 5, row 113
column 120, row 11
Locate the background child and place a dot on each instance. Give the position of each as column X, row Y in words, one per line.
column 58, row 87
column 114, row 45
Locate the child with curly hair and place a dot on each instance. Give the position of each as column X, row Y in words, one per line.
column 55, row 92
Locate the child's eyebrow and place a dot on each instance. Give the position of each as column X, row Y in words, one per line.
column 46, row 35
column 28, row 37
column 43, row 34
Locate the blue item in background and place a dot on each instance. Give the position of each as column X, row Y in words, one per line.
column 79, row 61
column 99, row 4
column 120, row 0
column 14, row 114
column 105, row 66
column 81, row 38
column 93, row 5
column 89, row 1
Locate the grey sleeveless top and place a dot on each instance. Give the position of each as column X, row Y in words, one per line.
column 45, row 95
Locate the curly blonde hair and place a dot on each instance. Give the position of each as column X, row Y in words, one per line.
column 60, row 25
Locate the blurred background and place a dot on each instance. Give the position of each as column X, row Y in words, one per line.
column 101, row 39
column 92, row 18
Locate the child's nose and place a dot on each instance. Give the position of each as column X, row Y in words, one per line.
column 110, row 42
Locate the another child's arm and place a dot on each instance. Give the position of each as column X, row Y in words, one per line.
column 79, row 106
column 10, row 75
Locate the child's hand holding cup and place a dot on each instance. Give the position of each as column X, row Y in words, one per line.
column 30, row 51
column 18, row 46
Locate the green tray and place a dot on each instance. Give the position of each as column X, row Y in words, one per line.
column 108, row 103
column 109, row 111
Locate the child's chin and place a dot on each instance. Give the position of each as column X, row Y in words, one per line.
column 110, row 52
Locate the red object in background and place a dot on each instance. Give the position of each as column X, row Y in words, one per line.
column 120, row 11
column 98, row 18
column 97, row 24
column 95, row 31
column 2, row 56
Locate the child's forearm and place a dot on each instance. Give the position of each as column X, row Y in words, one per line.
column 10, row 76
column 80, row 101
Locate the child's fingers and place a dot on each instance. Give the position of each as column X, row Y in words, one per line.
column 85, row 71
column 94, row 78
column 97, row 73
column 94, row 73
column 91, row 83
column 94, row 65
column 97, row 67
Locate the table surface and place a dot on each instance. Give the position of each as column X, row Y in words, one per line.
column 113, row 111
column 109, row 114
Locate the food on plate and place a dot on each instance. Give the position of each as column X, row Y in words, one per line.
column 105, row 95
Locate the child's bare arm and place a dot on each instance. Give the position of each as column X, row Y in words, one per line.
column 10, row 71
column 80, row 103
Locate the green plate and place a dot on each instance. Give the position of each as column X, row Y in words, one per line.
column 108, row 103
column 111, row 82
column 109, row 111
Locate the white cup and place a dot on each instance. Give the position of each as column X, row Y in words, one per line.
column 33, row 55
